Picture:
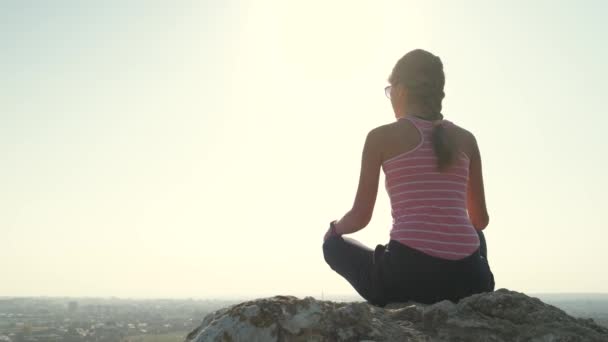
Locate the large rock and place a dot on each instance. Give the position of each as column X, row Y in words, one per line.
column 502, row 315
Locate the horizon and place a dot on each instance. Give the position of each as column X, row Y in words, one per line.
column 184, row 149
column 573, row 295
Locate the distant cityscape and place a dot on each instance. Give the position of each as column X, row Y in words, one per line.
column 101, row 320
column 593, row 306
column 49, row 319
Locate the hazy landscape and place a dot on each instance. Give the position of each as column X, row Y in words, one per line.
column 70, row 319
column 580, row 305
column 100, row 319
column 194, row 152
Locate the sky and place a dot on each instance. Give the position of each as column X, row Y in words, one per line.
column 200, row 149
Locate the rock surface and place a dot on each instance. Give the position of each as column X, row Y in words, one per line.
column 502, row 315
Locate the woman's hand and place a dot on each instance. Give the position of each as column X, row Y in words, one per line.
column 330, row 232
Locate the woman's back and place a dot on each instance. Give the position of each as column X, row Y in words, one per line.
column 434, row 180
column 429, row 207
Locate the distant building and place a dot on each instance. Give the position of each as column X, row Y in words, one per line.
column 72, row 306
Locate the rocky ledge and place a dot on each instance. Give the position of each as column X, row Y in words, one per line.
column 502, row 315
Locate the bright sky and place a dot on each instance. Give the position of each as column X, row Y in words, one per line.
column 190, row 149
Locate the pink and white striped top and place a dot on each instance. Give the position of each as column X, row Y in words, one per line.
column 429, row 207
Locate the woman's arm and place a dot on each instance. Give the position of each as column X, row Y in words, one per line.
column 361, row 213
column 476, row 200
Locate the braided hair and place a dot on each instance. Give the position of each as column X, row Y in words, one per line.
column 422, row 74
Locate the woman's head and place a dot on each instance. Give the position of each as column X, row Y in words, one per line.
column 417, row 82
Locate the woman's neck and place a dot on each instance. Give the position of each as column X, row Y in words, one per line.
column 414, row 110
column 415, row 115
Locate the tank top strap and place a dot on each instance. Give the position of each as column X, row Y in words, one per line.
column 425, row 124
column 422, row 124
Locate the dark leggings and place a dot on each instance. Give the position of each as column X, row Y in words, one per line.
column 397, row 273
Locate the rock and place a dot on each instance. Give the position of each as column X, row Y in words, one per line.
column 502, row 315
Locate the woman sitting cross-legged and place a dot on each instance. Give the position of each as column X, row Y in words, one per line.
column 434, row 180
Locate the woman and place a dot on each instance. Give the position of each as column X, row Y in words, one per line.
column 433, row 175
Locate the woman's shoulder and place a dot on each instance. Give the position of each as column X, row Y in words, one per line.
column 463, row 138
column 391, row 127
column 382, row 130
column 459, row 130
column 399, row 128
column 386, row 133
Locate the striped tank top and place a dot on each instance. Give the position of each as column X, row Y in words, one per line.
column 429, row 207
